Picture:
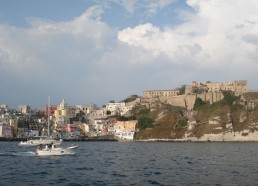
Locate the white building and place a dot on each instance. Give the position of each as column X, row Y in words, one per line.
column 3, row 108
column 125, row 130
column 87, row 109
column 5, row 130
column 118, row 108
column 24, row 109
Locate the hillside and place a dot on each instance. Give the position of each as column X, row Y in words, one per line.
column 222, row 121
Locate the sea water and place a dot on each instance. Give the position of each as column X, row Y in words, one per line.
column 133, row 163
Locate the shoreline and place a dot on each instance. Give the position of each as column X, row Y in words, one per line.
column 145, row 140
column 64, row 140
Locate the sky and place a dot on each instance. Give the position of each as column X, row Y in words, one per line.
column 95, row 51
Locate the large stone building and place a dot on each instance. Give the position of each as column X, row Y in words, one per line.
column 238, row 86
column 250, row 99
column 160, row 93
column 208, row 91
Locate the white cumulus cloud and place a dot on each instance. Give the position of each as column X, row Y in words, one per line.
column 216, row 34
column 86, row 59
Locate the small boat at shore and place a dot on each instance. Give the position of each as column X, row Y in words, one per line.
column 54, row 149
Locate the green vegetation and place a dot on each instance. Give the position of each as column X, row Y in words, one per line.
column 130, row 98
column 198, row 90
column 230, row 98
column 145, row 122
column 181, row 90
column 182, row 122
column 199, row 103
column 123, row 118
column 144, row 111
column 142, row 114
column 216, row 106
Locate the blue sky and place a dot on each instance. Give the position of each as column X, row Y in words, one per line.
column 94, row 51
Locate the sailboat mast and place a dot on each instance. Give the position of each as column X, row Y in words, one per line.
column 48, row 115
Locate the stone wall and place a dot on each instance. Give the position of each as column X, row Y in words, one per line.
column 187, row 101
column 211, row 97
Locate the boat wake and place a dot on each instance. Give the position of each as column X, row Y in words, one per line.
column 27, row 153
column 73, row 147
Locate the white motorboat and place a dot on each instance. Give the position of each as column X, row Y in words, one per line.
column 39, row 140
column 54, row 149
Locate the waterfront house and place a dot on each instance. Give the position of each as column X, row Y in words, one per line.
column 124, row 130
column 5, row 130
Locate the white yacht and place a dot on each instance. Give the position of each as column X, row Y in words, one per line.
column 37, row 141
column 54, row 149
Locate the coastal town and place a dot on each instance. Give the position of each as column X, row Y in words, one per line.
column 88, row 121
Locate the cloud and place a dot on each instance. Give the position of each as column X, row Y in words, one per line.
column 51, row 40
column 209, row 38
column 54, row 56
column 86, row 60
column 154, row 6
column 129, row 6
column 145, row 7
column 159, row 42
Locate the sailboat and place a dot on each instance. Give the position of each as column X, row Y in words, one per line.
column 44, row 140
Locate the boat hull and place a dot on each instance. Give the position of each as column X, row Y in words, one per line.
column 55, row 150
column 60, row 152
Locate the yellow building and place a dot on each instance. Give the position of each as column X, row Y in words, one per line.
column 62, row 114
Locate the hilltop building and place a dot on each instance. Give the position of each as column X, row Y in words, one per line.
column 250, row 99
column 208, row 91
column 238, row 86
column 160, row 93
column 87, row 109
column 118, row 108
column 25, row 109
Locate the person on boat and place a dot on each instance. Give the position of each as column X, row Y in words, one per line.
column 40, row 147
column 49, row 146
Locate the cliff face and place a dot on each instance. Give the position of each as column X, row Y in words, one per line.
column 211, row 122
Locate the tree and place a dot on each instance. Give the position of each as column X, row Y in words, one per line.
column 198, row 103
column 229, row 97
column 181, row 89
column 130, row 98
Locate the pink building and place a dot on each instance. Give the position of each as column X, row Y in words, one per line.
column 70, row 128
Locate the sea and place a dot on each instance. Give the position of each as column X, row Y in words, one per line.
column 133, row 163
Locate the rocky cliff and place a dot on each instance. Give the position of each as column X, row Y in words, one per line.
column 210, row 122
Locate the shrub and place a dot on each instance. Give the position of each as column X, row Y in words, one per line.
column 145, row 122
column 199, row 103
column 182, row 123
